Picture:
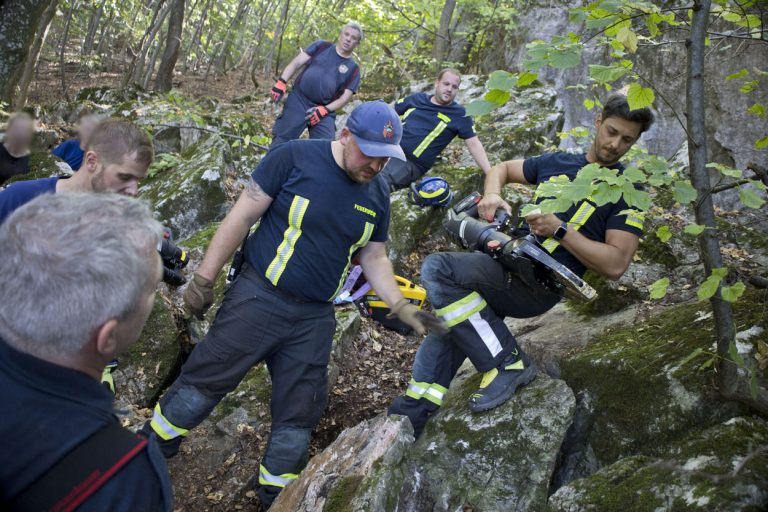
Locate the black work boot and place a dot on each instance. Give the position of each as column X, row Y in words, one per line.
column 499, row 384
column 168, row 448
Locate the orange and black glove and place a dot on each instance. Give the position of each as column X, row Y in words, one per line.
column 278, row 90
column 316, row 114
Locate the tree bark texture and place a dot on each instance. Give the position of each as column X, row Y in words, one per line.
column 164, row 79
column 30, row 63
column 443, row 33
column 19, row 20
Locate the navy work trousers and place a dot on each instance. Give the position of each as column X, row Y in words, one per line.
column 292, row 122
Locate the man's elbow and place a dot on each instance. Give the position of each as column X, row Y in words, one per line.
column 615, row 273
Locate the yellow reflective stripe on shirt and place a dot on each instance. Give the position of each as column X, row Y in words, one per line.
column 164, row 428
column 578, row 219
column 635, row 219
column 461, row 310
column 366, row 236
column 291, row 236
column 441, row 125
column 406, row 113
column 267, row 478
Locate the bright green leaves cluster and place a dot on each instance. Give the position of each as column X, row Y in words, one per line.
column 500, row 86
column 748, row 86
column 747, row 188
column 639, row 96
column 562, row 52
column 709, row 287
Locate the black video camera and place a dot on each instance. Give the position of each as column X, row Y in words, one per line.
column 174, row 260
column 517, row 250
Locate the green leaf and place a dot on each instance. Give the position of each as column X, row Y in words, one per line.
column 725, row 170
column 636, row 198
column 694, row 229
column 658, row 289
column 639, row 96
column 565, row 58
column 526, row 78
column 758, row 109
column 762, row 143
column 605, row 194
column 634, row 175
column 709, row 287
column 501, row 80
column 604, row 74
column 683, row 192
column 750, row 198
column 628, row 38
column 663, row 233
column 738, row 74
column 696, row 352
column 749, row 86
column 479, row 108
column 589, row 104
column 498, row 96
column 529, row 209
column 733, row 351
column 733, row 292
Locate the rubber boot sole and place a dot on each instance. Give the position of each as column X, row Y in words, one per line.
column 526, row 377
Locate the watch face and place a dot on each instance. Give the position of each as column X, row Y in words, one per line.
column 560, row 232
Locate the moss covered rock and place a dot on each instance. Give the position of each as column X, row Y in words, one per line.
column 360, row 471
column 191, row 194
column 723, row 468
column 496, row 461
column 644, row 392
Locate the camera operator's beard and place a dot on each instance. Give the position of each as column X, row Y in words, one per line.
column 97, row 182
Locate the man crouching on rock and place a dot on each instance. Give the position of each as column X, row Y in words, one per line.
column 319, row 206
column 473, row 293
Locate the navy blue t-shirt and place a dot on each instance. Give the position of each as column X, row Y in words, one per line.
column 327, row 74
column 47, row 411
column 20, row 193
column 586, row 217
column 428, row 128
column 319, row 218
column 70, row 152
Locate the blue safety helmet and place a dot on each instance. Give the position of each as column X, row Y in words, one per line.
column 432, row 191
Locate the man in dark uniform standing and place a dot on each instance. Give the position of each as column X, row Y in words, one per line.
column 430, row 123
column 329, row 79
column 473, row 293
column 319, row 207
column 14, row 151
column 79, row 274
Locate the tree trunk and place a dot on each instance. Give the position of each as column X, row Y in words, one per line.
column 195, row 43
column 221, row 57
column 34, row 55
column 278, row 37
column 19, row 20
column 164, row 80
column 136, row 67
column 63, row 48
column 443, row 33
column 93, row 27
column 709, row 246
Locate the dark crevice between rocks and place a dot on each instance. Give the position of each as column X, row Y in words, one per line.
column 186, row 339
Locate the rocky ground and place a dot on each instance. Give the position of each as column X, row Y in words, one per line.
column 624, row 414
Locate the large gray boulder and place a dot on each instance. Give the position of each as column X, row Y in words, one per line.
column 723, row 468
column 501, row 460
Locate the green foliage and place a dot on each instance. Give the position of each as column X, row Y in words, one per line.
column 658, row 289
column 639, row 96
column 709, row 287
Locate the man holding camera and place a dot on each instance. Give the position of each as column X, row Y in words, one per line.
column 319, row 207
column 473, row 293
column 79, row 274
column 329, row 78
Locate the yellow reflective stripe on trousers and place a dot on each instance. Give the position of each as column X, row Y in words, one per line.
column 164, row 428
column 292, row 234
column 267, row 478
column 416, row 389
column 367, row 232
column 577, row 220
column 462, row 309
column 432, row 136
column 435, row 394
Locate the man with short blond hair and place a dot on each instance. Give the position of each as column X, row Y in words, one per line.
column 430, row 123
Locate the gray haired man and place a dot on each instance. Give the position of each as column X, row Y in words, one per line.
column 79, row 273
